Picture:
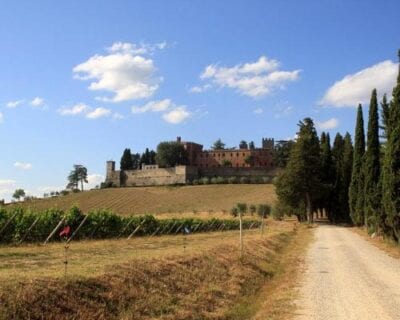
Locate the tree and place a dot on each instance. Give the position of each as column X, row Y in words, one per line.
column 249, row 159
column 356, row 185
column 243, row 145
column 218, row 145
column 19, row 193
column 226, row 163
column 391, row 167
column 252, row 145
column 385, row 114
column 78, row 174
column 282, row 152
column 347, row 168
column 372, row 196
column 170, row 154
column 327, row 175
column 300, row 184
column 126, row 160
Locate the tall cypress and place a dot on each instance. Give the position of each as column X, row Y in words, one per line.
column 126, row 160
column 356, row 186
column 372, row 167
column 391, row 166
column 338, row 191
column 327, row 174
column 346, row 179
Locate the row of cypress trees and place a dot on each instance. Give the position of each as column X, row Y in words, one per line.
column 374, row 192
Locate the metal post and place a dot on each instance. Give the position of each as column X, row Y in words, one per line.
column 77, row 229
column 29, row 230
column 8, row 222
column 136, row 230
column 54, row 231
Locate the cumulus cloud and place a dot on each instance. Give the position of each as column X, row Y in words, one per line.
column 88, row 112
column 172, row 113
column 328, row 124
column 94, row 180
column 125, row 71
column 23, row 165
column 14, row 104
column 200, row 89
column 98, row 113
column 176, row 115
column 356, row 88
column 37, row 102
column 253, row 79
column 7, row 188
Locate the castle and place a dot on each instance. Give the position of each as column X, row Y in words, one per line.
column 242, row 162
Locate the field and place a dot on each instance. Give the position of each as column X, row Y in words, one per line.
column 161, row 200
column 170, row 277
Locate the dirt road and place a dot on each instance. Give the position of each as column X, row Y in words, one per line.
column 348, row 278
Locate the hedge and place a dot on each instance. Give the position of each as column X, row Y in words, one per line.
column 28, row 225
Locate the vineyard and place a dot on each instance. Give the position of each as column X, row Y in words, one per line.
column 156, row 200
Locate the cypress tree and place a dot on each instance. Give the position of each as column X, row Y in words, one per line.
column 347, row 167
column 372, row 167
column 126, row 160
column 391, row 166
column 338, row 191
column 356, row 186
column 327, row 174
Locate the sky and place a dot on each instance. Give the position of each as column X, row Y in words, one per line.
column 82, row 80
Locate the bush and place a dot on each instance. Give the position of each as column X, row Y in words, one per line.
column 195, row 182
column 214, row 180
column 205, row 180
column 278, row 211
column 252, row 209
column 244, row 180
column 267, row 179
column 233, row 180
column 221, row 180
column 242, row 207
column 234, row 212
column 264, row 210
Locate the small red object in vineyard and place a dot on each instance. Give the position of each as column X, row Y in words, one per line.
column 65, row 232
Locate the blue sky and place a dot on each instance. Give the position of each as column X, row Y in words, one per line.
column 82, row 80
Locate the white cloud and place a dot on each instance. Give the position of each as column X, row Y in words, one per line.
column 94, row 180
column 328, row 124
column 118, row 116
column 200, row 89
column 37, row 102
column 23, row 165
column 154, row 106
column 87, row 111
column 7, row 187
column 258, row 110
column 356, row 88
column 98, row 113
column 124, row 71
column 1, row 118
column 79, row 108
column 254, row 79
column 172, row 113
column 176, row 115
column 14, row 104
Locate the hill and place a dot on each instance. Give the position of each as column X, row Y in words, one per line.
column 155, row 200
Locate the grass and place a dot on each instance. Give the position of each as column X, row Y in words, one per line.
column 142, row 278
column 159, row 200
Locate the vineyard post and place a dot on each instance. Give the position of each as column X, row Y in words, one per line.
column 155, row 232
column 29, row 230
column 241, row 235
column 262, row 224
column 126, row 227
column 170, row 229
column 136, row 230
column 77, row 229
column 9, row 221
column 54, row 231
column 179, row 228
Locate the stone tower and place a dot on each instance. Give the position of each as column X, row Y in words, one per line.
column 268, row 143
column 110, row 168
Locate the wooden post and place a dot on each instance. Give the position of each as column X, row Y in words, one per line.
column 8, row 222
column 155, row 232
column 241, row 235
column 179, row 228
column 54, row 231
column 126, row 227
column 136, row 230
column 77, row 229
column 170, row 229
column 29, row 230
column 197, row 227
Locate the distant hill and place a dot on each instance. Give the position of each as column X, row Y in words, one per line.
column 155, row 200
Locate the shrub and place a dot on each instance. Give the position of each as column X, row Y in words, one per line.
column 234, row 212
column 244, row 180
column 264, row 210
column 233, row 180
column 214, row 180
column 221, row 180
column 195, row 182
column 256, row 180
column 278, row 211
column 252, row 209
column 242, row 207
column 205, row 180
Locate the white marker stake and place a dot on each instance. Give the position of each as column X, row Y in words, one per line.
column 241, row 236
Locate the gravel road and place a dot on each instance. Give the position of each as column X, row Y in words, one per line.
column 346, row 277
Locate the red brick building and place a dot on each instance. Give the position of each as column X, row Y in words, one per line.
column 235, row 158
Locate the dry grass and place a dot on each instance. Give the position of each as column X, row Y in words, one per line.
column 156, row 200
column 144, row 279
column 386, row 245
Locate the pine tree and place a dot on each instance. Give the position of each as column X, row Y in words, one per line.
column 300, row 184
column 391, row 166
column 356, row 186
column 372, row 167
column 126, row 160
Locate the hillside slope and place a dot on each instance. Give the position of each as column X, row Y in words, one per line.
column 154, row 200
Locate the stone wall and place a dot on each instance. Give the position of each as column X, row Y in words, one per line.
column 235, row 172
